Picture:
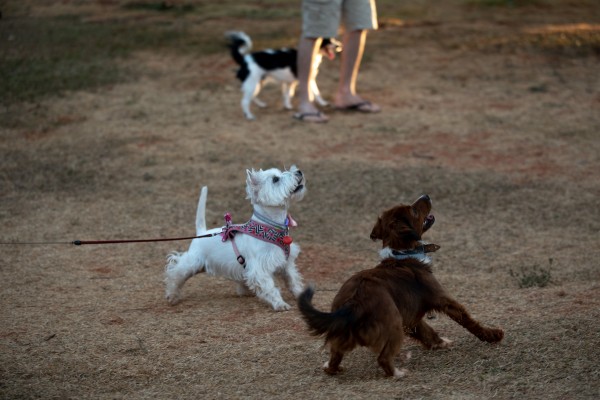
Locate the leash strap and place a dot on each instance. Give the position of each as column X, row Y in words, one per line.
column 228, row 234
column 82, row 242
column 240, row 258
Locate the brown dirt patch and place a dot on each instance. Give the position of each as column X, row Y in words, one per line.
column 498, row 126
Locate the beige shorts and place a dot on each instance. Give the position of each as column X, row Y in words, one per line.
column 321, row 18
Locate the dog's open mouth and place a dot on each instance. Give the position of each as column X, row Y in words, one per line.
column 428, row 222
column 330, row 52
column 298, row 188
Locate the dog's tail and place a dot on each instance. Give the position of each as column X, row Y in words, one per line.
column 240, row 44
column 337, row 324
column 201, row 212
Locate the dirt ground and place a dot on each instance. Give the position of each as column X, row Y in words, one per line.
column 492, row 111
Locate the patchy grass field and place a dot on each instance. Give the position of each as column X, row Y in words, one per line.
column 114, row 113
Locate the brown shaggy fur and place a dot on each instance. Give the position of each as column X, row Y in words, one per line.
column 375, row 308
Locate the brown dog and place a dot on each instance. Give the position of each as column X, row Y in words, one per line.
column 375, row 308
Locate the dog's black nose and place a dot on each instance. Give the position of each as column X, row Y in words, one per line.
column 299, row 173
column 426, row 197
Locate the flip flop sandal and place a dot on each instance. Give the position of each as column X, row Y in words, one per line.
column 309, row 117
column 360, row 107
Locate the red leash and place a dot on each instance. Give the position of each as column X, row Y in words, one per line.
column 82, row 242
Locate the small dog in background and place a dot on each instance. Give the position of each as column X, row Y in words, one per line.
column 250, row 254
column 279, row 65
column 377, row 307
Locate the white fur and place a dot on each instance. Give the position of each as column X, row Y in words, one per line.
column 399, row 373
column 263, row 260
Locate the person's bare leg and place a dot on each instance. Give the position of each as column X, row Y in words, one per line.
column 354, row 46
column 307, row 50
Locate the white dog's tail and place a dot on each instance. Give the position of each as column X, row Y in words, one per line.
column 201, row 212
column 240, row 45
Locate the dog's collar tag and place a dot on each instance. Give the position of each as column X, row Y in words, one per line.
column 425, row 248
column 417, row 253
column 290, row 222
column 430, row 248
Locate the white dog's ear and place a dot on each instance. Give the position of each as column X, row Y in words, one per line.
column 251, row 184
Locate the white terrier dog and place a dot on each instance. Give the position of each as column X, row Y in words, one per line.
column 252, row 253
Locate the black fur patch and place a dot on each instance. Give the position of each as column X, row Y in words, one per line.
column 276, row 59
column 243, row 72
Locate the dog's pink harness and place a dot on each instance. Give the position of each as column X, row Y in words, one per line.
column 276, row 235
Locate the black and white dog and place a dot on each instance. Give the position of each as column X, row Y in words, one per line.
column 279, row 65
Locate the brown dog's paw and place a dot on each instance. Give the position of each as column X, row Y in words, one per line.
column 399, row 373
column 444, row 344
column 493, row 335
column 331, row 370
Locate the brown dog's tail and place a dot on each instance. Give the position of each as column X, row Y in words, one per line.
column 337, row 324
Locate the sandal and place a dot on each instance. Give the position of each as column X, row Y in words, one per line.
column 316, row 117
column 364, row 106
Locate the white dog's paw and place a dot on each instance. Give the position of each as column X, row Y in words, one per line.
column 297, row 290
column 171, row 292
column 172, row 283
column 173, row 298
column 282, row 307
column 260, row 103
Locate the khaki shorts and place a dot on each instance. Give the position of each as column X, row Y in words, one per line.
column 321, row 18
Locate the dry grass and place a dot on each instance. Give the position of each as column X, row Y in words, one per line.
column 497, row 127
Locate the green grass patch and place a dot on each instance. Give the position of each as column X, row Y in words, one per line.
column 48, row 56
column 160, row 6
column 271, row 10
column 43, row 56
column 535, row 276
column 504, row 3
column 560, row 40
column 40, row 57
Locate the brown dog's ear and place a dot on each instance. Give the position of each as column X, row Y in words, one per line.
column 376, row 232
